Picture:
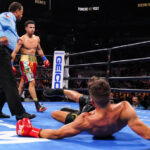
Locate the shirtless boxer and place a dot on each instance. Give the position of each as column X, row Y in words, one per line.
column 28, row 45
column 102, row 122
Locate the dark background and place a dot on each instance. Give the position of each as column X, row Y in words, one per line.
column 61, row 26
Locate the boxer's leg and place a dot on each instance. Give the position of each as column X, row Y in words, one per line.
column 64, row 117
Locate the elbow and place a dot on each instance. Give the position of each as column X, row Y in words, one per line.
column 146, row 137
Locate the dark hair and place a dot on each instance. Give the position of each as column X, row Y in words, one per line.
column 99, row 90
column 29, row 22
column 14, row 6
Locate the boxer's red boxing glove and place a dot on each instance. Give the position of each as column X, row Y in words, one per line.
column 24, row 128
column 46, row 62
column 13, row 68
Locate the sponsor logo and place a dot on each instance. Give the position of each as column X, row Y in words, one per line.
column 58, row 72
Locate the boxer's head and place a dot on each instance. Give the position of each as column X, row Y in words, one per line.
column 30, row 27
column 99, row 90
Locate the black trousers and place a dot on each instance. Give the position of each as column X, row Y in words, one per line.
column 8, row 84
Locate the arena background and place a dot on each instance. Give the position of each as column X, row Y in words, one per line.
column 61, row 25
column 77, row 26
column 81, row 25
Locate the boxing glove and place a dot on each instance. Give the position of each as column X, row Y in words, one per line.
column 25, row 128
column 13, row 68
column 46, row 62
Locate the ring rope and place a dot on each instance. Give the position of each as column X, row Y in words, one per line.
column 130, row 90
column 112, row 78
column 131, row 45
column 116, row 90
column 130, row 78
column 109, row 62
column 112, row 48
column 131, row 60
column 86, row 52
column 88, row 64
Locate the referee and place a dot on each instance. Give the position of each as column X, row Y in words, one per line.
column 8, row 41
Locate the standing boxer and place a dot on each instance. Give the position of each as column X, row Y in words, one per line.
column 29, row 44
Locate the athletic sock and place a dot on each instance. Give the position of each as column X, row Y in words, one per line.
column 35, row 99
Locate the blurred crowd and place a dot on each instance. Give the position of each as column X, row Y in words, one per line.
column 137, row 100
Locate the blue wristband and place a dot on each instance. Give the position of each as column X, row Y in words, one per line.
column 44, row 58
column 12, row 63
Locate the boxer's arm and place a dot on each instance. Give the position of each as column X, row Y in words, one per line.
column 77, row 126
column 41, row 53
column 39, row 49
column 134, row 122
column 139, row 127
column 18, row 46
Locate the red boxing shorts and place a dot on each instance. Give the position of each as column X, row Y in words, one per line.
column 28, row 66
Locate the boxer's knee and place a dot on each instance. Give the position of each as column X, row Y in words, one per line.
column 55, row 114
column 32, row 83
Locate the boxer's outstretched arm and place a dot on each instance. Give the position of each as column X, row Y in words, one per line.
column 134, row 122
column 80, row 124
column 139, row 127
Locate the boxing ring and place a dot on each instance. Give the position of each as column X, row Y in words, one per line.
column 109, row 64
column 124, row 139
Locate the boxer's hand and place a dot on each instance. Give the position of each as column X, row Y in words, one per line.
column 46, row 64
column 25, row 128
column 13, row 68
column 4, row 40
